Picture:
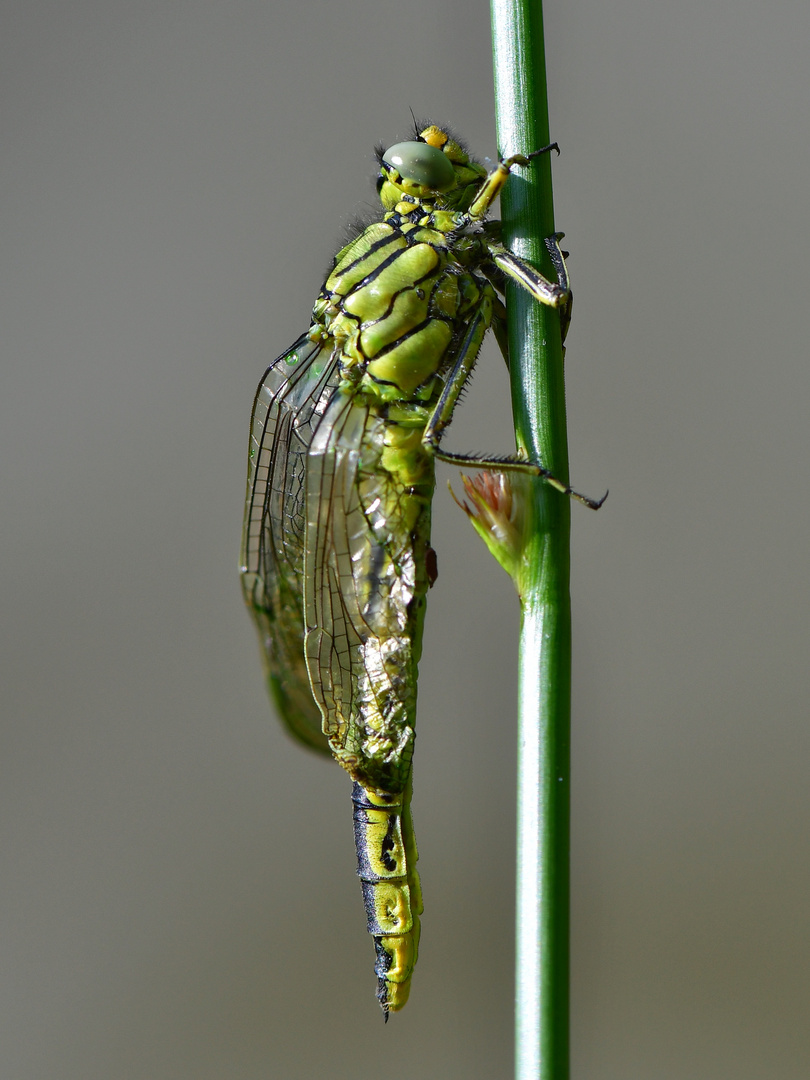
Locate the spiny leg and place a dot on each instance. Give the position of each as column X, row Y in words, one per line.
column 558, row 257
column 462, row 369
column 499, row 329
column 506, row 264
column 518, row 270
column 443, row 414
column 514, row 464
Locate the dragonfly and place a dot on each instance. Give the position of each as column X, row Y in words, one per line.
column 345, row 431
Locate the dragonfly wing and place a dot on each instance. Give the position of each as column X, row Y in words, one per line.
column 364, row 588
column 290, row 402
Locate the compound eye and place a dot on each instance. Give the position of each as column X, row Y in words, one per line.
column 422, row 164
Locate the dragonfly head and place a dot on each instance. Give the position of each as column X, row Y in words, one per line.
column 432, row 168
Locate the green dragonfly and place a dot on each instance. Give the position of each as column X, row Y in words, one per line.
column 346, row 426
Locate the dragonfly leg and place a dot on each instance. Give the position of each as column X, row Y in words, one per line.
column 522, row 465
column 491, row 187
column 505, row 262
column 543, row 290
column 499, row 330
column 443, row 414
column 558, row 257
column 462, row 369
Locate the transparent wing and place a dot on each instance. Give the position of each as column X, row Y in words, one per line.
column 365, row 581
column 292, row 397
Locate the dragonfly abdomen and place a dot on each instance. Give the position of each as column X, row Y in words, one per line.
column 386, row 865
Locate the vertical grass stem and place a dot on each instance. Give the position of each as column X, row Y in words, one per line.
column 538, row 397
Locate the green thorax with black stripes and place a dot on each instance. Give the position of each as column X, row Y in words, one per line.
column 399, row 295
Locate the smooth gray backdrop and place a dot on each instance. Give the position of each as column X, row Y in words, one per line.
column 178, row 899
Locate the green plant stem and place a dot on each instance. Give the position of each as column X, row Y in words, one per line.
column 538, row 398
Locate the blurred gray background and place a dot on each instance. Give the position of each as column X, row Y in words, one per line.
column 178, row 899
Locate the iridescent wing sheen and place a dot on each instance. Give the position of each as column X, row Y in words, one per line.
column 292, row 397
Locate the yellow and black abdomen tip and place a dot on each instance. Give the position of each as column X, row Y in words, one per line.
column 386, row 858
